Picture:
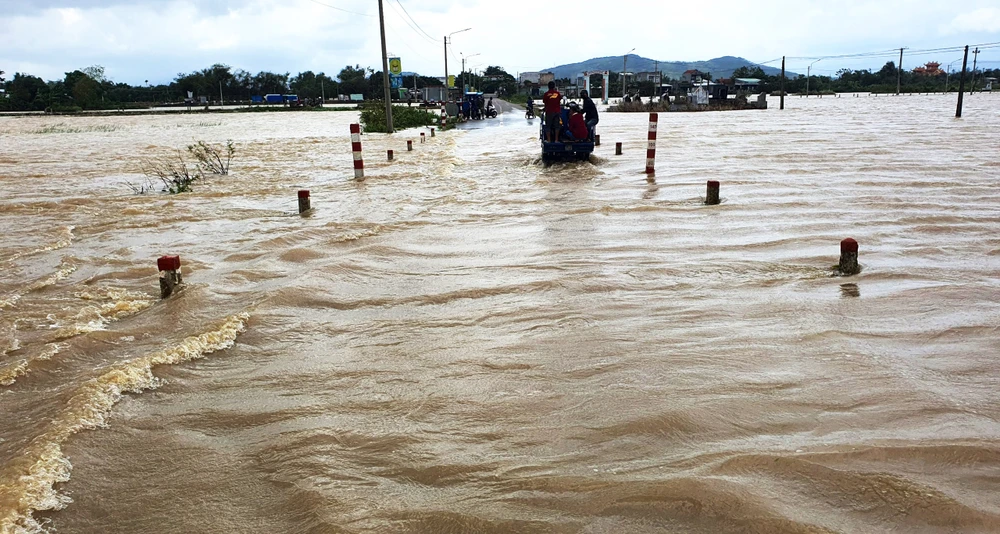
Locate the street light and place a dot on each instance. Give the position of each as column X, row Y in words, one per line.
column 446, row 37
column 463, row 68
column 947, row 75
column 809, row 73
column 624, row 69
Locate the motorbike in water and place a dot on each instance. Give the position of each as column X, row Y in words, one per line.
column 491, row 112
column 529, row 113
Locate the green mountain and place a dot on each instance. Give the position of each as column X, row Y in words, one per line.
column 720, row 67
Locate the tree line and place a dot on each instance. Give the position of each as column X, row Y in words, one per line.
column 90, row 89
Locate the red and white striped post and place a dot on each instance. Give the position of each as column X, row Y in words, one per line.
column 651, row 147
column 444, row 115
column 304, row 203
column 170, row 274
column 359, row 163
column 423, row 137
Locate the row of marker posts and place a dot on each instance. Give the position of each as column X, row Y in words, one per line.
column 848, row 264
column 169, row 266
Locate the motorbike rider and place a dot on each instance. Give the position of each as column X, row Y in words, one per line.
column 530, row 107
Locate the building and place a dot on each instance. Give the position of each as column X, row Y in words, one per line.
column 655, row 77
column 531, row 77
column 745, row 85
column 931, row 68
column 693, row 76
column 545, row 77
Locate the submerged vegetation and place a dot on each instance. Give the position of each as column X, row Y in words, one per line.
column 63, row 128
column 211, row 159
column 178, row 175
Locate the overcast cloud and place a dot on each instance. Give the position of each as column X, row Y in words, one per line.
column 155, row 40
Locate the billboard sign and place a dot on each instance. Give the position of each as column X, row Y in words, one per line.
column 395, row 66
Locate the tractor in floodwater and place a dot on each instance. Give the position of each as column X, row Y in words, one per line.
column 564, row 149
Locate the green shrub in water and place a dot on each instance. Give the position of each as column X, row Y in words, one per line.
column 373, row 117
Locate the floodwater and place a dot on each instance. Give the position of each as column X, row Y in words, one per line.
column 467, row 341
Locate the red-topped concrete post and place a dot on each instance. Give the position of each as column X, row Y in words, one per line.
column 170, row 275
column 712, row 196
column 359, row 164
column 849, row 257
column 304, row 204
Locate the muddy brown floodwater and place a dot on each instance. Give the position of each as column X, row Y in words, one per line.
column 470, row 342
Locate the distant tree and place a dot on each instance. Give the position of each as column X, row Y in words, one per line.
column 353, row 80
column 497, row 80
column 888, row 72
column 309, row 85
column 87, row 93
column 96, row 73
column 26, row 93
column 749, row 72
column 267, row 83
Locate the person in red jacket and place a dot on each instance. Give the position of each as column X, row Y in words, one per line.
column 577, row 126
column 553, row 112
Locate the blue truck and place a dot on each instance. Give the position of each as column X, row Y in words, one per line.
column 578, row 150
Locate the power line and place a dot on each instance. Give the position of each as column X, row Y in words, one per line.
column 415, row 22
column 411, row 25
column 341, row 9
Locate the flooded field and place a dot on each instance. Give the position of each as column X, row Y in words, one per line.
column 467, row 341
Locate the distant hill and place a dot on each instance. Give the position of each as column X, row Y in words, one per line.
column 720, row 67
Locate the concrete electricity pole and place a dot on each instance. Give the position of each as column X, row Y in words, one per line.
column 624, row 69
column 782, row 90
column 961, row 83
column 899, row 70
column 385, row 72
column 975, row 56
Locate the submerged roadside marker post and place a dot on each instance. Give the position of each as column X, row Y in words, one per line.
column 432, row 132
column 712, row 197
column 618, row 149
column 422, row 137
column 304, row 204
column 388, row 154
column 359, row 164
column 597, row 139
column 170, row 274
column 444, row 117
column 849, row 257
column 409, row 146
column 651, row 144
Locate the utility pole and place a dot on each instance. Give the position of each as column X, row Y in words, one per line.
column 447, row 90
column 975, row 56
column 322, row 90
column 625, row 69
column 961, row 83
column 899, row 71
column 782, row 89
column 385, row 72
column 656, row 76
column 222, row 101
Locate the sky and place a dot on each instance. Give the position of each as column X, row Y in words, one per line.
column 154, row 40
